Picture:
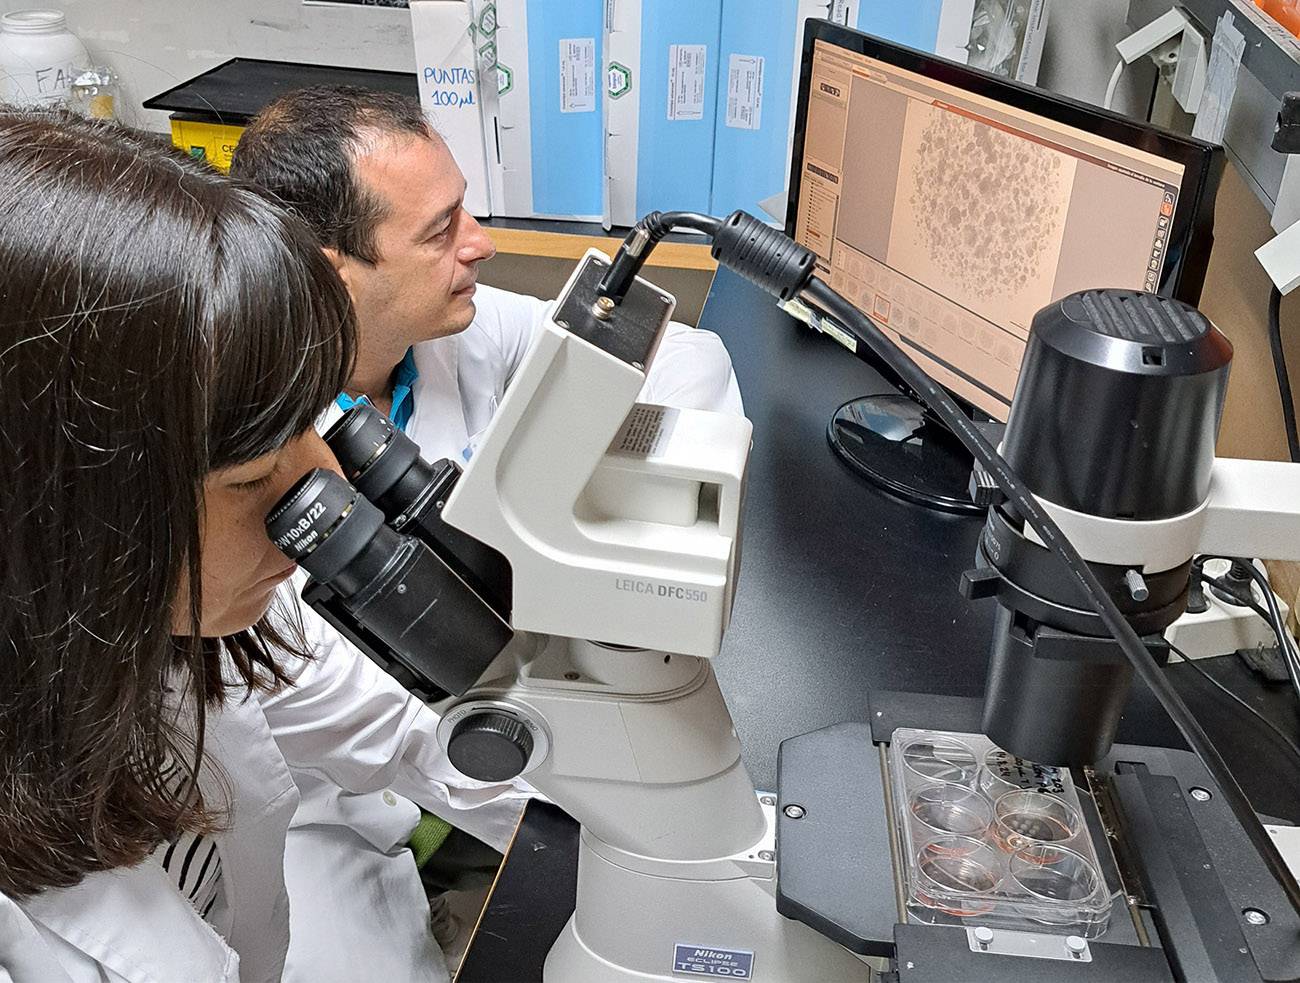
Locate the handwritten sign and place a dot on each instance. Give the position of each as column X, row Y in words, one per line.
column 450, row 87
column 35, row 85
column 449, row 65
column 56, row 80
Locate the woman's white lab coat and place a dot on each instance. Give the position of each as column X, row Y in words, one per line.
column 133, row 925
column 462, row 378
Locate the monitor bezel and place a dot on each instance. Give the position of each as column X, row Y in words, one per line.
column 1191, row 229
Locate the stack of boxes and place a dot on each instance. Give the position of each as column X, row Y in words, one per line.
column 608, row 109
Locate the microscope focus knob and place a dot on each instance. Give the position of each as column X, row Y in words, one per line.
column 490, row 746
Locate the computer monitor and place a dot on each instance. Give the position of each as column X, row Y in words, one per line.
column 951, row 205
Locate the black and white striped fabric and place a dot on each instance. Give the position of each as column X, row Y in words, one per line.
column 194, row 866
column 192, row 862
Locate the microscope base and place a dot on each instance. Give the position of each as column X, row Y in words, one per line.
column 640, row 920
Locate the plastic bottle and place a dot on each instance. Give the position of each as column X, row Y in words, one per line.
column 39, row 57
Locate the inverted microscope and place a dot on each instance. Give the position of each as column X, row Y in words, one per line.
column 570, row 587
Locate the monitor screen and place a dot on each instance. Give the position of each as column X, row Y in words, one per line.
column 952, row 217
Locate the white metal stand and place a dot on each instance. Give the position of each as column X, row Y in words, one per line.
column 676, row 847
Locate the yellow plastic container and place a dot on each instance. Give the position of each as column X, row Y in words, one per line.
column 213, row 142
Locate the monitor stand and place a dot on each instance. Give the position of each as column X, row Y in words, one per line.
column 894, row 442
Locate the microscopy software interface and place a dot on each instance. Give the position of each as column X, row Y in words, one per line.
column 951, row 219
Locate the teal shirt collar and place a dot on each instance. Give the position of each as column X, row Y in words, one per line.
column 404, row 379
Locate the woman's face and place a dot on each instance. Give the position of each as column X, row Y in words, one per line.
column 241, row 569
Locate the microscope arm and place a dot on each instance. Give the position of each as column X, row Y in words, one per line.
column 620, row 520
column 1252, row 510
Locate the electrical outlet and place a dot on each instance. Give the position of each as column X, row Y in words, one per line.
column 1166, row 55
column 1222, row 628
column 1149, row 38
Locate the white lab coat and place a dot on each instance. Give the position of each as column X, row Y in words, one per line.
column 346, row 724
column 131, row 925
column 462, row 378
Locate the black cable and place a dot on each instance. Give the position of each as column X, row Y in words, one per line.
column 1283, row 377
column 1198, row 571
column 1151, row 103
column 1290, row 657
column 645, row 235
column 1249, row 602
column 1277, row 731
column 820, row 295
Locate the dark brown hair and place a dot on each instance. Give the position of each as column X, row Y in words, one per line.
column 157, row 322
column 302, row 149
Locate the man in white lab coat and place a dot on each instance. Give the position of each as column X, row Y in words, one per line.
column 436, row 354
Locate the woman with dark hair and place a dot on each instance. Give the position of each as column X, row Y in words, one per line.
column 166, row 341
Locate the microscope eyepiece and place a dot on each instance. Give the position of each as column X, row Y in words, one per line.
column 382, row 462
column 331, row 531
column 384, row 589
column 386, row 467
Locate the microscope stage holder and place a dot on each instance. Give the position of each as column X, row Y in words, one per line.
column 835, row 864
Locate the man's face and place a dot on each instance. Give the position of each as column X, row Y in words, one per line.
column 429, row 247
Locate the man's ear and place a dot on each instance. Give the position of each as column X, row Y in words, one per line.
column 340, row 264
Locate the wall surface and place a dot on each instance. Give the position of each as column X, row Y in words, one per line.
column 156, row 44
column 1236, row 299
column 1079, row 55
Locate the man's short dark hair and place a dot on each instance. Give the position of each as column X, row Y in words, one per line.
column 302, row 150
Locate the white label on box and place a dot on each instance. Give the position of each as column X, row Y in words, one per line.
column 686, row 81
column 577, row 75
column 745, row 92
